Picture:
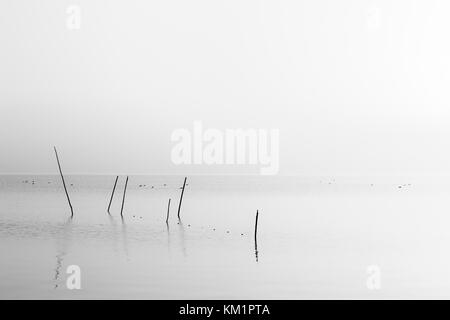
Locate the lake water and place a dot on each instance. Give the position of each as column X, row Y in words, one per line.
column 317, row 237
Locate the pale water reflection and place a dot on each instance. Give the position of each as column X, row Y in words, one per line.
column 315, row 240
column 62, row 246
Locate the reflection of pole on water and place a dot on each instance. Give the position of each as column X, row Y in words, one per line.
column 61, row 248
column 114, row 233
column 183, row 244
column 125, row 237
column 168, row 236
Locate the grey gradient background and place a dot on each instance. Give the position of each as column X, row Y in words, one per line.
column 355, row 87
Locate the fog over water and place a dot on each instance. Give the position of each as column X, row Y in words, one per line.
column 355, row 87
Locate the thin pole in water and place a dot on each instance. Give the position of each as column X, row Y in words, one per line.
column 123, row 199
column 64, row 183
column 181, row 197
column 168, row 210
column 112, row 194
column 256, row 224
column 256, row 231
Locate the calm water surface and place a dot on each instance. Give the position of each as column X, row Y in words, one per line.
column 316, row 238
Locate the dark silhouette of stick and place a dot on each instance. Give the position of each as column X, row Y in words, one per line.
column 123, row 199
column 112, row 194
column 64, row 183
column 168, row 210
column 181, row 198
column 256, row 224
column 256, row 231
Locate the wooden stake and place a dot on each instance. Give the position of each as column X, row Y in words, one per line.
column 256, row 224
column 168, row 210
column 123, row 199
column 181, row 198
column 112, row 194
column 64, row 183
column 256, row 231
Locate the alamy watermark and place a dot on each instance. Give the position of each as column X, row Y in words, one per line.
column 73, row 20
column 74, row 279
column 373, row 281
column 373, row 18
column 259, row 147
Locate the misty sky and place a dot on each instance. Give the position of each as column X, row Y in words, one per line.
column 355, row 87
